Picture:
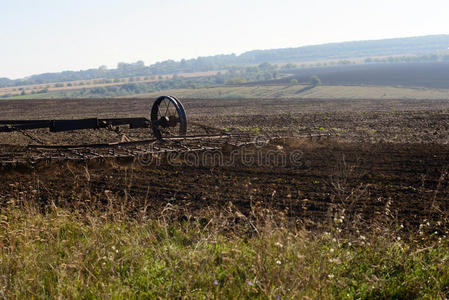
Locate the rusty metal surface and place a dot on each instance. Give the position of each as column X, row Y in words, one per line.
column 12, row 155
column 16, row 155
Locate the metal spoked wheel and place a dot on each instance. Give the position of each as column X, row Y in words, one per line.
column 168, row 117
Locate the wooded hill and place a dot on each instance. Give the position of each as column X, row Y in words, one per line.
column 413, row 46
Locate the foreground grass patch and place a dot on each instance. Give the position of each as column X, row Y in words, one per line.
column 63, row 254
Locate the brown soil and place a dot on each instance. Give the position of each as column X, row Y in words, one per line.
column 384, row 161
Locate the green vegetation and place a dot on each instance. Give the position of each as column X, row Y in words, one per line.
column 134, row 86
column 442, row 56
column 293, row 82
column 68, row 254
column 315, row 80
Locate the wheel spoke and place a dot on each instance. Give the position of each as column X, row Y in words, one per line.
column 168, row 106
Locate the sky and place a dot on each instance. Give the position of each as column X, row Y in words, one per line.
column 39, row 36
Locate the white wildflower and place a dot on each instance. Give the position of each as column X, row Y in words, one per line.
column 279, row 245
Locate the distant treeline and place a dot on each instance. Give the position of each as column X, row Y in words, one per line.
column 406, row 47
column 138, row 85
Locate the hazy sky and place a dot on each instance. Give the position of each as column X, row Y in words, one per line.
column 38, row 36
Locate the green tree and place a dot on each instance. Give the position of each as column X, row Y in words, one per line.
column 267, row 67
column 236, row 80
column 315, row 80
column 289, row 66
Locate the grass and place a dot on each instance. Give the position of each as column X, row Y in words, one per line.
column 283, row 91
column 64, row 253
column 31, row 96
column 301, row 91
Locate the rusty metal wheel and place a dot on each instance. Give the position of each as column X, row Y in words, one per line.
column 168, row 117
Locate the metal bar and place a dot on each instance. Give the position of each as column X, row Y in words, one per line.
column 75, row 124
column 132, row 122
column 124, row 121
column 12, row 122
column 25, row 126
column 113, row 121
column 141, row 142
column 69, row 125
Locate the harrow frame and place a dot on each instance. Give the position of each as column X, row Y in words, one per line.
column 167, row 120
column 159, row 120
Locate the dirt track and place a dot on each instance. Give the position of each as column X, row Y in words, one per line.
column 377, row 165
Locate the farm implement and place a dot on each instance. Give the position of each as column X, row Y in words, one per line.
column 167, row 122
column 167, row 117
